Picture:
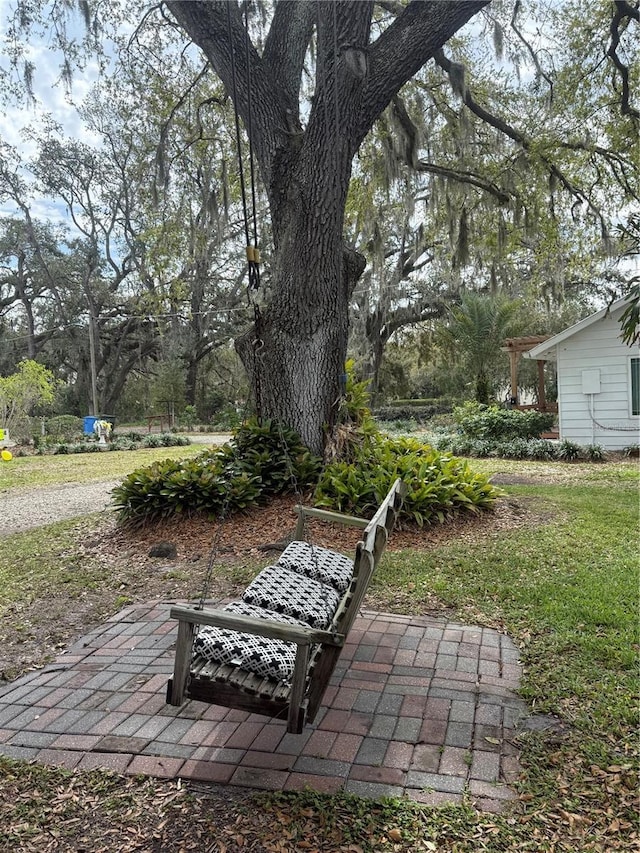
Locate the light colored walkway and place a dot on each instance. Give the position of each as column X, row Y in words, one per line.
column 24, row 510
column 418, row 707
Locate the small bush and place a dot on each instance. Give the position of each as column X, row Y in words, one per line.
column 228, row 418
column 542, row 449
column 569, row 451
column 517, row 448
column 153, row 440
column 261, row 460
column 495, row 424
column 133, row 436
column 595, row 453
column 123, row 443
column 64, row 427
column 421, row 413
column 459, row 445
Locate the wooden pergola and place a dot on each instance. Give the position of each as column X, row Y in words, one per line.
column 515, row 347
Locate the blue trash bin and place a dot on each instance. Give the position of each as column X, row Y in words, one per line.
column 89, row 422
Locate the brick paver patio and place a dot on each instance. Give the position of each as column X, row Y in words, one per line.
column 418, row 706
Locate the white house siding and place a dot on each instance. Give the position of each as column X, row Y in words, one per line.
column 597, row 347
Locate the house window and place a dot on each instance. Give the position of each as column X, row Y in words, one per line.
column 635, row 386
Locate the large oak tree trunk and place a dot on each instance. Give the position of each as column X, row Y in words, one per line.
column 296, row 354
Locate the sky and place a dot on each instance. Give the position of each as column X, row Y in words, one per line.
column 50, row 98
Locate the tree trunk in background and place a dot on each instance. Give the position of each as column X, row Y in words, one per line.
column 296, row 354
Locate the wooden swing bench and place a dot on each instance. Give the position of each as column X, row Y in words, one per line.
column 317, row 649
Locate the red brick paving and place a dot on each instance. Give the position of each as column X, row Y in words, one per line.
column 425, row 733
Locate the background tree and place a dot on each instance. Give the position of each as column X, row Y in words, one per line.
column 501, row 171
column 473, row 335
column 501, row 185
column 31, row 386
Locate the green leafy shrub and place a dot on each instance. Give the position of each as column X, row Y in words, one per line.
column 123, row 443
column 188, row 417
column 403, row 426
column 459, row 445
column 517, row 448
column 569, row 451
column 595, row 453
column 542, row 449
column 275, row 453
column 261, row 460
column 152, row 440
column 483, row 449
column 64, row 427
column 228, row 418
column 439, row 485
column 420, row 410
column 132, row 436
column 476, row 420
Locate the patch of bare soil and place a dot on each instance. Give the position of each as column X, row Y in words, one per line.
column 34, row 632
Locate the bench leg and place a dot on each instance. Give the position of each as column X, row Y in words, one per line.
column 297, row 706
column 182, row 663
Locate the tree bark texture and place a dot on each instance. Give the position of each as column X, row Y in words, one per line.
column 295, row 356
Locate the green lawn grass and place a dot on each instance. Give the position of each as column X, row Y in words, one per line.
column 565, row 587
column 568, row 589
column 34, row 471
column 47, row 558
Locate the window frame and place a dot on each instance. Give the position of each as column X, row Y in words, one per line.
column 634, row 361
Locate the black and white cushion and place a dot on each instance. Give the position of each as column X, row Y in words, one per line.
column 263, row 656
column 319, row 564
column 289, row 593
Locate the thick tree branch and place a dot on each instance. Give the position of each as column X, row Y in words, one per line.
column 403, row 48
column 464, row 178
column 426, row 309
column 258, row 98
column 517, row 136
column 343, row 31
column 623, row 11
column 286, row 46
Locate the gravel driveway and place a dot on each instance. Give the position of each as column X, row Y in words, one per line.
column 24, row 509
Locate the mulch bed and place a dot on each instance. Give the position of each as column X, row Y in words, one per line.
column 268, row 528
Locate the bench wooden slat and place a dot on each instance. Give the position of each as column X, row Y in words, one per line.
column 305, row 512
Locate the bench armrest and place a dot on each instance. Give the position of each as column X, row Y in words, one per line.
column 261, row 627
column 326, row 515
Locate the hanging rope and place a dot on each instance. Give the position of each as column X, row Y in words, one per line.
column 253, row 253
column 254, row 213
